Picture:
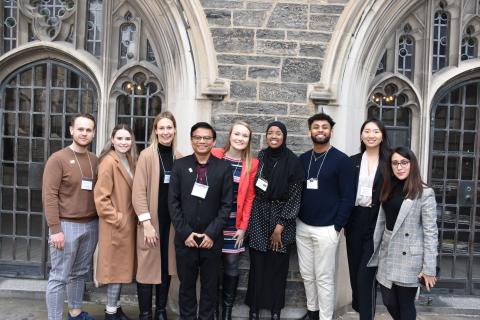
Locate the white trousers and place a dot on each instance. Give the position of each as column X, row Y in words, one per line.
column 317, row 256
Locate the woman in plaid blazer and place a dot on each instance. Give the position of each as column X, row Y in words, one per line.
column 406, row 235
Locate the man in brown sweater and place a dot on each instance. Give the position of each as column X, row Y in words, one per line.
column 67, row 196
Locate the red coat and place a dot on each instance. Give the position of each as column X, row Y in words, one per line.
column 246, row 190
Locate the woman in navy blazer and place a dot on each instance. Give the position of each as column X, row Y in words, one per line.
column 368, row 166
column 406, row 236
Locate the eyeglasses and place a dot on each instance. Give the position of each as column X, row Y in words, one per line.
column 200, row 138
column 402, row 163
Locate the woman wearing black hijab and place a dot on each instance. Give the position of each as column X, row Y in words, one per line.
column 271, row 230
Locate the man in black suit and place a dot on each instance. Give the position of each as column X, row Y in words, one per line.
column 200, row 200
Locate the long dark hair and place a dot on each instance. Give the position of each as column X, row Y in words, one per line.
column 384, row 149
column 413, row 188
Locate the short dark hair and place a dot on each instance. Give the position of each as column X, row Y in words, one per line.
column 321, row 116
column 203, row 125
column 83, row 115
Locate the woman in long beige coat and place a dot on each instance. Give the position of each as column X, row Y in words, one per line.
column 117, row 220
column 155, row 250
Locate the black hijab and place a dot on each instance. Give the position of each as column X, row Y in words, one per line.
column 281, row 167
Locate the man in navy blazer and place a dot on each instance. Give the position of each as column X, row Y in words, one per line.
column 200, row 200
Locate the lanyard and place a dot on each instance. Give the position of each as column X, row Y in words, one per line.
column 161, row 161
column 261, row 168
column 321, row 165
column 206, row 179
column 78, row 163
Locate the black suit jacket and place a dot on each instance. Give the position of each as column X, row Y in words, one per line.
column 192, row 214
column 377, row 181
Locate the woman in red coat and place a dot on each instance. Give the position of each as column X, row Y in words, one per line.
column 244, row 168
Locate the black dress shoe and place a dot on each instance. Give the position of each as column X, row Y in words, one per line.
column 121, row 315
column 275, row 315
column 311, row 315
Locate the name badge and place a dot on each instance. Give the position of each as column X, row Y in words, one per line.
column 166, row 178
column 199, row 190
column 366, row 191
column 312, row 184
column 87, row 184
column 262, row 184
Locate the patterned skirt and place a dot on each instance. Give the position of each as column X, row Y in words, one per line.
column 228, row 233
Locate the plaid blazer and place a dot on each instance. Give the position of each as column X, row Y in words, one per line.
column 413, row 246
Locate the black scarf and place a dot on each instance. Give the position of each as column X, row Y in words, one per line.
column 281, row 167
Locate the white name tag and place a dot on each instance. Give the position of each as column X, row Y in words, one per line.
column 166, row 178
column 262, row 184
column 312, row 184
column 87, row 184
column 199, row 190
column 366, row 191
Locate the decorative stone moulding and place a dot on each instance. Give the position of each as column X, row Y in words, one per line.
column 49, row 20
column 321, row 96
column 217, row 91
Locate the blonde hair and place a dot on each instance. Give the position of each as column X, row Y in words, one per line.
column 153, row 143
column 132, row 155
column 246, row 153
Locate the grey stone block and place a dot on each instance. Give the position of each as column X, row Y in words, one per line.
column 223, row 4
column 222, row 122
column 262, row 107
column 283, row 92
column 283, row 48
column 263, row 73
column 309, row 36
column 295, row 125
column 301, row 70
column 301, row 109
column 259, row 5
column 223, row 106
column 218, row 17
column 289, row 16
column 299, row 144
column 232, row 72
column 249, row 60
column 243, row 90
column 327, row 9
column 313, row 49
column 233, row 40
column 249, row 18
column 323, row 22
column 270, row 34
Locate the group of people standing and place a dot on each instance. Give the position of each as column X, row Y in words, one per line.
column 162, row 213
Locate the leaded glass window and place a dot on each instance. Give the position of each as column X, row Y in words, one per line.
column 405, row 56
column 468, row 48
column 440, row 40
column 389, row 106
column 382, row 65
column 94, row 27
column 9, row 25
column 127, row 43
column 138, row 106
column 150, row 54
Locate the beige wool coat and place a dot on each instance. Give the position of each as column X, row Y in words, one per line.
column 145, row 200
column 117, row 222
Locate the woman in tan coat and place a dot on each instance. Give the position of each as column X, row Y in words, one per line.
column 117, row 220
column 155, row 250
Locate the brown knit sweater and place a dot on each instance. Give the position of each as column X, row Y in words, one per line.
column 62, row 196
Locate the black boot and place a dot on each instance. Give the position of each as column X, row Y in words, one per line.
column 144, row 293
column 229, row 288
column 160, row 314
column 311, row 315
column 275, row 315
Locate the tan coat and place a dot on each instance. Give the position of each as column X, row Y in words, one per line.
column 117, row 222
column 145, row 200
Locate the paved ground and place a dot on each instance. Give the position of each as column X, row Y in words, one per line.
column 34, row 309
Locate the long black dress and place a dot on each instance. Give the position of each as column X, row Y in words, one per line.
column 269, row 269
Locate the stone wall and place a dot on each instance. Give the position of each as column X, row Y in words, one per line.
column 270, row 52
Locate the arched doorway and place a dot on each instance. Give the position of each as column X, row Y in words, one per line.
column 37, row 103
column 455, row 176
